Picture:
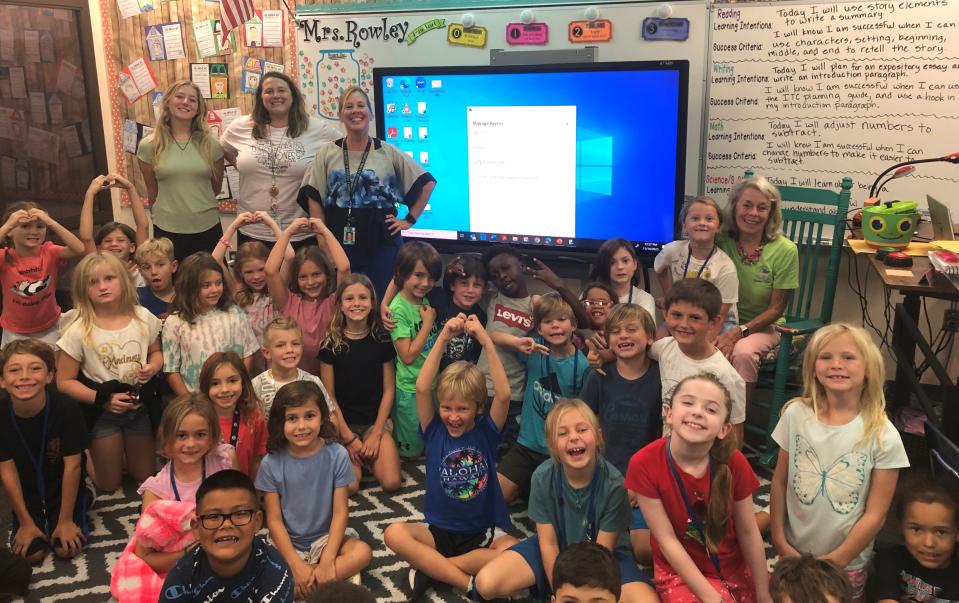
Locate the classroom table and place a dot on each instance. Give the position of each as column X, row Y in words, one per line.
column 921, row 282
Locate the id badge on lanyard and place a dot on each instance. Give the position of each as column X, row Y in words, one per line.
column 349, row 231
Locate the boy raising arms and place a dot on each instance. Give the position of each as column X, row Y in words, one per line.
column 692, row 311
column 463, row 503
column 42, row 438
column 231, row 560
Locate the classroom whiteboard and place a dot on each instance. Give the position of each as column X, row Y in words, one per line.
column 808, row 93
column 337, row 50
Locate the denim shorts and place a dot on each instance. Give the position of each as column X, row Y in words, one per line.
column 135, row 422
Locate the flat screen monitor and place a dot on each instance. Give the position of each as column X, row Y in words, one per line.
column 546, row 156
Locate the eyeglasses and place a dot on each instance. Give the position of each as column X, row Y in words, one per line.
column 599, row 303
column 212, row 521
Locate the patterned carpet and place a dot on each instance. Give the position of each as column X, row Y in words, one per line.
column 87, row 578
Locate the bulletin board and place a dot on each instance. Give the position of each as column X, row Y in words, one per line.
column 46, row 146
column 138, row 28
column 808, row 93
column 338, row 50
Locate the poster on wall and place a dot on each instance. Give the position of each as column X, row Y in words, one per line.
column 207, row 36
column 264, row 30
column 164, row 41
column 212, row 79
column 76, row 139
column 136, row 80
column 253, row 71
column 132, row 8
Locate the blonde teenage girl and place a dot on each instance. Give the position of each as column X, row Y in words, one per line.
column 839, row 456
column 110, row 350
column 182, row 166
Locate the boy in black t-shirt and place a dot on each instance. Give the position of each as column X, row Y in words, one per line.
column 230, row 559
column 925, row 569
column 42, row 438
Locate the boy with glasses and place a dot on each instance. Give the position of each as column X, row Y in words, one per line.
column 229, row 558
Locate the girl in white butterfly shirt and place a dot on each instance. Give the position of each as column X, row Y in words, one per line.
column 839, row 456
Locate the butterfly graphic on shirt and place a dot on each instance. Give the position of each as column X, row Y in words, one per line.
column 840, row 483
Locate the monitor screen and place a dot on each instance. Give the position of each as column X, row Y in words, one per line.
column 560, row 156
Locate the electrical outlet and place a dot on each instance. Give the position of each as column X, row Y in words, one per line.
column 950, row 321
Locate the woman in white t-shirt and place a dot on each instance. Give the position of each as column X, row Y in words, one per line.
column 271, row 149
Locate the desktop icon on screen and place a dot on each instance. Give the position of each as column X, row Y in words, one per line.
column 391, row 107
column 421, row 82
column 392, row 132
column 436, row 83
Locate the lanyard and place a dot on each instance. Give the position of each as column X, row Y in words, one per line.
column 235, row 428
column 176, row 493
column 689, row 256
column 591, row 531
column 630, row 299
column 695, row 529
column 351, row 185
column 575, row 373
column 37, row 461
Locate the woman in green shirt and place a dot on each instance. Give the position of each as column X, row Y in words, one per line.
column 767, row 264
column 182, row 165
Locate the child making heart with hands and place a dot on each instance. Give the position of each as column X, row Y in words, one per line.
column 247, row 279
column 305, row 293
column 29, row 270
column 115, row 237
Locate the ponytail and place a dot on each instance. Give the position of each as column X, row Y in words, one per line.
column 720, row 491
column 721, row 484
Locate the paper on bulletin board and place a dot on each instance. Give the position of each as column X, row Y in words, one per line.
column 164, row 41
column 7, row 49
column 251, row 74
column 55, row 107
column 76, row 139
column 18, row 82
column 38, row 108
column 131, row 8
column 136, row 80
column 206, row 46
column 48, row 52
column 272, row 28
column 31, row 46
column 6, row 113
column 66, row 76
column 8, row 171
column 42, row 145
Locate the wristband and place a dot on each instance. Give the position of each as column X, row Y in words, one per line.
column 353, row 439
column 226, row 243
column 411, row 219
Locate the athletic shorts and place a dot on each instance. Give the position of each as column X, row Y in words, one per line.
column 406, row 425
column 518, row 466
column 453, row 544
